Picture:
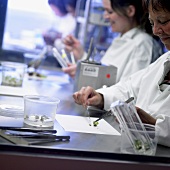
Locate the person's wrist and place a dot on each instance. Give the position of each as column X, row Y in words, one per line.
column 101, row 104
column 83, row 55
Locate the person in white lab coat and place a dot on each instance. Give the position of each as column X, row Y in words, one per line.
column 59, row 28
column 150, row 87
column 132, row 50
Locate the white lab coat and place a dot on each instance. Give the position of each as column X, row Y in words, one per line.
column 65, row 25
column 129, row 53
column 144, row 87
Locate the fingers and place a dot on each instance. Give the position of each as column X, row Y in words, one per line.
column 68, row 48
column 81, row 97
column 73, row 45
column 69, row 40
column 73, row 39
column 145, row 117
column 69, row 43
column 70, row 70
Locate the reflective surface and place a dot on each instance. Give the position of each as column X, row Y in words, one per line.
column 108, row 146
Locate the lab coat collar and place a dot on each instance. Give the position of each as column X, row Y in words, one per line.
column 130, row 34
column 166, row 68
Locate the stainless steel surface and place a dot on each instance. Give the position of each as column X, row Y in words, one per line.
column 92, row 143
column 63, row 91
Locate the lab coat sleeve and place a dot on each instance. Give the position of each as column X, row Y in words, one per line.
column 131, row 87
column 128, row 87
column 163, row 129
column 122, row 90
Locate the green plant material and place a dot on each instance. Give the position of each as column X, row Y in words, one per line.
column 138, row 145
column 95, row 123
column 12, row 81
column 37, row 74
column 41, row 75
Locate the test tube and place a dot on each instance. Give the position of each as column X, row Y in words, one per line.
column 59, row 58
column 64, row 56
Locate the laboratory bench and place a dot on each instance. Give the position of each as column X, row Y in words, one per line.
column 83, row 150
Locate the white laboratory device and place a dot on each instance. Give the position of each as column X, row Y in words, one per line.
column 94, row 75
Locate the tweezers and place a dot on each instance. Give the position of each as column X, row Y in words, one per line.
column 108, row 113
column 22, row 129
column 32, row 139
column 42, row 141
column 38, row 136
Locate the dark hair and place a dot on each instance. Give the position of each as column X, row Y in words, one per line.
column 71, row 3
column 59, row 4
column 120, row 5
column 140, row 15
column 156, row 5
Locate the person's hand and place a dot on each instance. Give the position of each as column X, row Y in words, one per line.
column 87, row 96
column 145, row 117
column 50, row 36
column 73, row 45
column 70, row 70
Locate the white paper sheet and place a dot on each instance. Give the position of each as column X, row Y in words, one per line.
column 81, row 124
column 17, row 91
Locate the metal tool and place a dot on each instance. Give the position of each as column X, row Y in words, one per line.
column 30, row 138
column 38, row 136
column 109, row 112
column 90, row 50
column 22, row 129
column 18, row 141
column 96, row 110
column 35, row 63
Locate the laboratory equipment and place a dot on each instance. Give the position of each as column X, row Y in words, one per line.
column 92, row 73
column 132, row 125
